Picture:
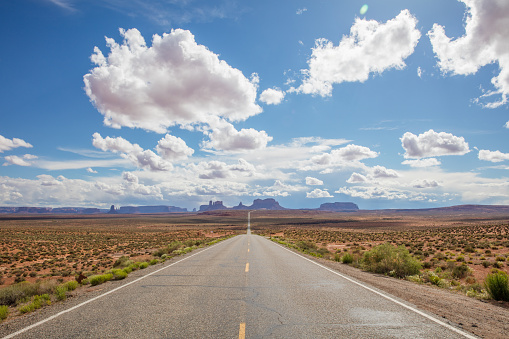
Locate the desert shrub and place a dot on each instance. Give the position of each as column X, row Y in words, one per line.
column 486, row 263
column 153, row 262
column 143, row 265
column 118, row 274
column 500, row 258
column 306, row 245
column 337, row 257
column 123, row 261
column 72, row 285
column 4, row 312
column 497, row 286
column 460, row 271
column 11, row 295
column 498, row 264
column 99, row 279
column 61, row 292
column 432, row 278
column 347, row 258
column 36, row 302
column 389, row 259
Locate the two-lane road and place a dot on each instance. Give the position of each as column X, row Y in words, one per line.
column 248, row 287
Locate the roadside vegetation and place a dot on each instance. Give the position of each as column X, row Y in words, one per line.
column 43, row 264
column 473, row 260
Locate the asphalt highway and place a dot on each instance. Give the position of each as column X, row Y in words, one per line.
column 244, row 287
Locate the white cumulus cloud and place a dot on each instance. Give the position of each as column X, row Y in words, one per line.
column 371, row 47
column 175, row 81
column 173, row 148
column 224, row 137
column 91, row 170
column 484, row 42
column 133, row 152
column 318, row 193
column 425, row 184
column 272, row 96
column 15, row 160
column 493, row 156
column 313, row 181
column 432, row 144
column 8, row 144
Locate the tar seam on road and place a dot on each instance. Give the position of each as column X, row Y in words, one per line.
column 12, row 335
column 452, row 328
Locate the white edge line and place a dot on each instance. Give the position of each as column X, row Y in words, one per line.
column 12, row 335
column 452, row 328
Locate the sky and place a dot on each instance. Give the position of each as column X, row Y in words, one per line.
column 387, row 104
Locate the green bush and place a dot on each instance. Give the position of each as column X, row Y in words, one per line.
column 72, row 285
column 99, row 279
column 143, row 265
column 392, row 260
column 347, row 258
column 4, row 312
column 123, row 261
column 460, row 271
column 12, row 295
column 497, row 286
column 118, row 274
column 153, row 261
column 37, row 302
column 61, row 292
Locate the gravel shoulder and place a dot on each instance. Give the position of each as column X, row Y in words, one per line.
column 484, row 319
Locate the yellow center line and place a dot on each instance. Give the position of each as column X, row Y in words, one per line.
column 247, row 267
column 248, row 250
column 242, row 331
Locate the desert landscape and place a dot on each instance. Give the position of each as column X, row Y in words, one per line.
column 456, row 248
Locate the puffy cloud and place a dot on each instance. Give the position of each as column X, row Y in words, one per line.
column 356, row 178
column 432, row 144
column 90, row 170
column 8, row 144
column 301, row 10
column 224, row 137
column 428, row 162
column 419, row 72
column 318, row 193
column 313, row 181
column 484, row 42
column 220, row 170
column 133, row 152
column 425, row 184
column 493, row 156
column 353, row 153
column 382, row 172
column 371, row 47
column 172, row 148
column 15, row 160
column 272, row 96
column 175, row 81
column 345, row 157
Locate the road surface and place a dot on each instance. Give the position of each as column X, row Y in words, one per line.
column 244, row 287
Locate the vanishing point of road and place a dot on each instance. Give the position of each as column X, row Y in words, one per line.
column 244, row 287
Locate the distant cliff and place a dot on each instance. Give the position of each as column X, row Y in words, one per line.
column 84, row 210
column 339, row 207
column 149, row 209
column 258, row 204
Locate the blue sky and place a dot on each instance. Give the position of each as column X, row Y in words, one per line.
column 181, row 102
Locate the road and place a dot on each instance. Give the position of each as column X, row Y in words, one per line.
column 244, row 287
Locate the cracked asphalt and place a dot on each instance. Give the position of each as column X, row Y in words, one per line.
column 214, row 294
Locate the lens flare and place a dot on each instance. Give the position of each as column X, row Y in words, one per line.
column 364, row 9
